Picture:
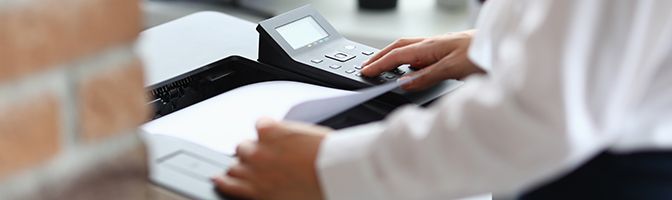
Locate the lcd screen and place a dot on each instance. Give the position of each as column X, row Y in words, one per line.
column 302, row 32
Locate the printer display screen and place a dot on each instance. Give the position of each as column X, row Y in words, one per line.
column 302, row 32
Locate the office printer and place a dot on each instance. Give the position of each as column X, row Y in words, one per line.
column 206, row 54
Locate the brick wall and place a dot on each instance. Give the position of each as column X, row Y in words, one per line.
column 71, row 97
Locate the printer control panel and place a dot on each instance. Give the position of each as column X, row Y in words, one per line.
column 346, row 60
column 302, row 41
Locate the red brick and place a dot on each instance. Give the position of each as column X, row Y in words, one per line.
column 118, row 175
column 29, row 133
column 110, row 102
column 37, row 34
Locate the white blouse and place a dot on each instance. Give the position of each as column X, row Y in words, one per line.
column 567, row 79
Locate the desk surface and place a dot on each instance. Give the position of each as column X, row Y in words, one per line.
column 412, row 18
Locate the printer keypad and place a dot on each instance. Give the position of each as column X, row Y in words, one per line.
column 339, row 59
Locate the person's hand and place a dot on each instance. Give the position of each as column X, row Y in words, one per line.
column 280, row 165
column 437, row 58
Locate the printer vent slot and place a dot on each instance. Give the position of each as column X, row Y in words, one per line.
column 170, row 97
column 197, row 86
column 172, row 88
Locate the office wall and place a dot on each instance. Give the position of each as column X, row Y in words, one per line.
column 71, row 97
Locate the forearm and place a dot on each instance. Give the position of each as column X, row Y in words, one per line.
column 466, row 145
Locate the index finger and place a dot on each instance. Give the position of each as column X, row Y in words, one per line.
column 284, row 128
column 396, row 44
column 266, row 127
column 405, row 55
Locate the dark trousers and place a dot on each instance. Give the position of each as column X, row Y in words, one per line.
column 645, row 175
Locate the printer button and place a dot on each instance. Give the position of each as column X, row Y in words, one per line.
column 398, row 71
column 334, row 66
column 340, row 56
column 316, row 61
column 367, row 53
column 350, row 71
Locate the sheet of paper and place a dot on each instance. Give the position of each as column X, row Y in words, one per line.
column 221, row 122
column 317, row 110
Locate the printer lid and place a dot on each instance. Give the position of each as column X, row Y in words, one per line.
column 193, row 41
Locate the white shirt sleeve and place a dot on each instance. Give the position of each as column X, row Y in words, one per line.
column 545, row 106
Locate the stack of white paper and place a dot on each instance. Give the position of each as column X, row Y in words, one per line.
column 221, row 122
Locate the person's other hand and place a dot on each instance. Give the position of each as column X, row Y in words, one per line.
column 280, row 165
column 437, row 58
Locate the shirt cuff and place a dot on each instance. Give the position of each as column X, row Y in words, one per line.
column 343, row 164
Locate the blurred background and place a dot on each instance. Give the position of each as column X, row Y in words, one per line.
column 374, row 27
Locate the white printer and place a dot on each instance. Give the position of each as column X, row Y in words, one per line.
column 206, row 54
